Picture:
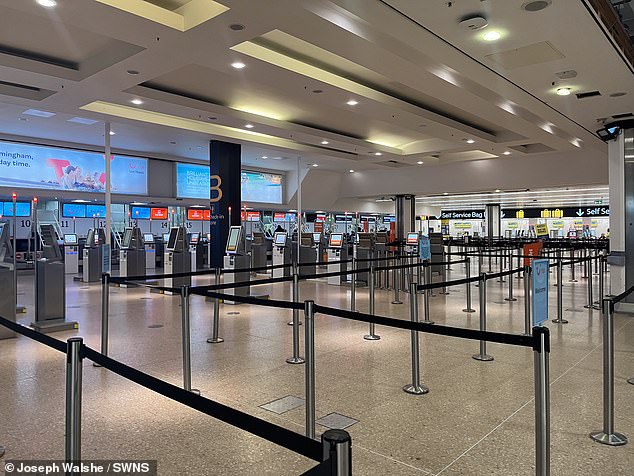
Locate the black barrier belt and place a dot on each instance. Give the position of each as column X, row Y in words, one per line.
column 501, row 338
column 38, row 336
column 484, row 255
column 275, row 434
column 447, row 284
column 206, row 272
column 248, row 299
column 622, row 296
column 322, row 469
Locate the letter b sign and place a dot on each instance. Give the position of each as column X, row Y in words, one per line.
column 215, row 182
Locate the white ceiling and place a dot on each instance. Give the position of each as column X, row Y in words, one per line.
column 423, row 84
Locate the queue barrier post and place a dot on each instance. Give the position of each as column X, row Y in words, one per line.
column 295, row 359
column 397, row 284
column 216, row 316
column 469, row 309
column 105, row 311
column 353, row 280
column 602, row 266
column 607, row 435
column 415, row 388
column 560, row 277
column 510, row 297
column 371, row 335
column 542, row 401
column 427, row 292
column 527, row 300
column 590, row 304
column 337, row 447
column 483, row 356
column 296, row 319
column 74, row 367
column 573, row 279
column 186, row 341
column 309, row 369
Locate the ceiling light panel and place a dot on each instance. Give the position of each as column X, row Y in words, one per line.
column 38, row 113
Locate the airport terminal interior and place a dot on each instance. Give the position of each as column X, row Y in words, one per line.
column 317, row 237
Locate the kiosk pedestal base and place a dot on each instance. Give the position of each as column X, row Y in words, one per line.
column 54, row 325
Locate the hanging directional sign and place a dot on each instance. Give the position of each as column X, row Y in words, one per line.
column 462, row 215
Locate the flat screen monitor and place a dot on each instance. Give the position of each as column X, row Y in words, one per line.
column 316, row 237
column 140, row 213
column 336, row 240
column 166, row 237
column 280, row 239
column 70, row 239
column 73, row 210
column 148, row 237
column 194, row 239
column 95, row 211
column 572, row 234
column 90, row 238
column 412, row 238
column 234, row 239
column 173, row 236
column 127, row 238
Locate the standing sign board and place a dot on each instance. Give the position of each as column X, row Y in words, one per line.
column 541, row 229
column 540, row 291
column 531, row 249
column 424, row 248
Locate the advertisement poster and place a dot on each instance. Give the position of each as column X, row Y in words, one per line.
column 31, row 166
column 540, row 291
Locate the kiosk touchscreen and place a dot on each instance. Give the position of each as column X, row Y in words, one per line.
column 148, row 237
column 177, row 258
column 236, row 259
column 233, row 242
column 166, row 237
column 281, row 255
column 280, row 239
column 412, row 239
column 336, row 253
column 71, row 253
column 150, row 251
column 336, row 240
column 317, row 237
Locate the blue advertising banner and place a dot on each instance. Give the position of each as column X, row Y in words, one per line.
column 23, row 209
column 32, row 166
column 540, row 291
column 95, row 211
column 424, row 248
column 73, row 210
column 192, row 181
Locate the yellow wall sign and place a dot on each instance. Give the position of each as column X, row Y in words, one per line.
column 519, row 214
column 557, row 223
column 541, row 229
column 594, row 223
column 556, row 213
column 462, row 224
column 512, row 225
column 578, row 222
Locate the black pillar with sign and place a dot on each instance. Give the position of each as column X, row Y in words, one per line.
column 225, row 195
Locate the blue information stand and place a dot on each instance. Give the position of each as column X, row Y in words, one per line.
column 424, row 248
column 540, row 291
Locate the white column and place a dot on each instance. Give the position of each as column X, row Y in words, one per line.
column 616, row 171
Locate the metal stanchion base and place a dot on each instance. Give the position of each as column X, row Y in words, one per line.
column 469, row 310
column 589, row 306
column 291, row 323
column 2, row 450
column 215, row 341
column 630, row 381
column 615, row 439
column 371, row 337
column 415, row 389
column 510, row 299
column 559, row 321
column 20, row 309
column 397, row 302
column 96, row 365
column 427, row 322
column 483, row 357
column 444, row 293
column 195, row 391
column 295, row 360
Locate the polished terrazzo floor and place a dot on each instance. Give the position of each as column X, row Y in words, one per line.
column 477, row 419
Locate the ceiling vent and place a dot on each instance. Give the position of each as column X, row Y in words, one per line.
column 589, row 94
column 392, row 163
column 569, row 74
column 622, row 116
column 535, row 5
column 474, row 23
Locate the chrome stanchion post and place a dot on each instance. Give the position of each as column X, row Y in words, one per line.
column 216, row 324
column 309, row 369
column 415, row 388
column 185, row 337
column 337, row 446
column 560, row 305
column 590, row 305
column 585, row 263
column 527, row 301
column 573, row 279
column 542, row 402
column 353, row 279
column 74, row 367
column 608, row 436
column 483, row 356
column 371, row 334
column 295, row 359
column 510, row 297
column 601, row 269
column 469, row 309
column 105, row 309
column 397, row 284
column 427, row 292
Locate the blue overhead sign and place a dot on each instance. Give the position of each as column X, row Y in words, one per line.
column 540, row 291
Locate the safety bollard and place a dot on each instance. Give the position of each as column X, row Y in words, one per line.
column 309, row 369
column 590, row 304
column 353, row 281
column 397, row 284
column 337, row 447
column 105, row 310
column 469, row 309
column 427, row 292
column 186, row 344
column 216, row 324
column 483, row 356
column 527, row 301
column 74, row 367
column 542, row 401
column 608, row 436
column 510, row 297
column 573, row 279
column 560, row 306
column 371, row 334
column 415, row 388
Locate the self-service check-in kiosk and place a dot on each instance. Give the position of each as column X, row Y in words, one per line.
column 132, row 253
column 307, row 254
column 281, row 255
column 365, row 251
column 150, row 251
column 236, row 259
column 50, row 286
column 71, row 253
column 93, row 255
column 194, row 239
column 7, row 282
column 336, row 252
column 176, row 258
column 319, row 243
column 411, row 243
column 258, row 250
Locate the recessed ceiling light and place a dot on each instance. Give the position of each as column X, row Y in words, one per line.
column 420, row 162
column 535, row 5
column 563, row 92
column 492, row 35
column 112, row 133
column 24, row 119
column 82, row 120
column 506, row 152
column 137, row 101
column 324, row 142
column 351, row 171
column 236, row 27
column 132, row 72
column 47, row 3
column 318, row 91
column 315, row 165
column 497, row 190
column 352, row 102
column 238, row 65
column 469, row 141
column 378, row 153
column 249, row 126
column 264, row 157
column 38, row 113
column 617, row 94
column 445, row 193
column 173, row 142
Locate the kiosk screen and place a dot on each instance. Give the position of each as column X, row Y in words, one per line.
column 127, row 238
column 148, row 237
column 171, row 242
column 280, row 239
column 90, row 239
column 336, row 240
column 166, row 236
column 70, row 239
column 234, row 239
column 412, row 238
column 194, row 239
column 316, row 237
